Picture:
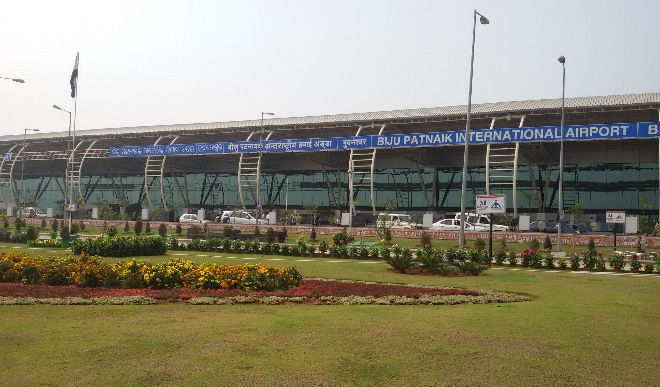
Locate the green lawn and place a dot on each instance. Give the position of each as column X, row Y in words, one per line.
column 581, row 330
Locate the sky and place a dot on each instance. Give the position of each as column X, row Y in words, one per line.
column 162, row 62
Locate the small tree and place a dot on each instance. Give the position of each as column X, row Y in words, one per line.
column 479, row 244
column 179, row 230
column 138, row 227
column 55, row 225
column 256, row 230
column 270, row 235
column 127, row 228
column 64, row 234
column 43, row 223
column 31, row 233
column 312, row 236
column 534, row 244
column 547, row 244
column 5, row 222
column 162, row 230
column 195, row 232
column 82, row 225
column 75, row 228
column 425, row 239
column 591, row 246
column 18, row 223
column 112, row 230
column 147, row 228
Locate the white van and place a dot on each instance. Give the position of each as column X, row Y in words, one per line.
column 482, row 220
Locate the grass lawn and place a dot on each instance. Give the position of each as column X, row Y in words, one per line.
column 581, row 330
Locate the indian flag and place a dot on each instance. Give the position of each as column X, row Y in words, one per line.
column 74, row 78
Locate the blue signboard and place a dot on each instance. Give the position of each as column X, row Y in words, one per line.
column 481, row 136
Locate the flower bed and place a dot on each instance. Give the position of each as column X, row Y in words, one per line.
column 93, row 271
column 311, row 291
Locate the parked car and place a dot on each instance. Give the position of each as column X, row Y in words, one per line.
column 396, row 221
column 191, row 218
column 241, row 217
column 455, row 225
column 33, row 212
column 482, row 220
column 550, row 226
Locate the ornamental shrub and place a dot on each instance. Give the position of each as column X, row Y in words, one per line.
column 137, row 228
column 120, row 246
column 43, row 223
column 179, row 230
column 147, row 228
column 312, row 235
column 111, row 230
column 425, row 239
column 195, row 232
column 227, row 231
column 31, row 233
column 591, row 245
column 547, row 244
column 270, row 235
column 127, row 228
column 162, row 230
column 75, row 228
column 534, row 244
column 340, row 238
column 479, row 244
column 401, row 262
column 18, row 223
column 5, row 222
column 82, row 225
column 64, row 234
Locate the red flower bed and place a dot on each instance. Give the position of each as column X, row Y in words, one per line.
column 309, row 288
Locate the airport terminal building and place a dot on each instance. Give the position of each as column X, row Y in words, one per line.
column 414, row 157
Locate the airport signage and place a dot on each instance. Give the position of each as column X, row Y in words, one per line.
column 412, row 140
column 615, row 217
column 491, row 204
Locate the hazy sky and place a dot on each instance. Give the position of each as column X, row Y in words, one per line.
column 178, row 62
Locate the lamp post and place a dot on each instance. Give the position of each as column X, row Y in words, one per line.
column 69, row 162
column 261, row 136
column 461, row 239
column 562, row 60
column 14, row 79
column 22, row 197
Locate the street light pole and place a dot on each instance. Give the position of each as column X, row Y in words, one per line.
column 69, row 164
column 562, row 60
column 261, row 136
column 461, row 239
column 22, row 197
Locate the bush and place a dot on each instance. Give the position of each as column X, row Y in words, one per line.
column 179, row 230
column 270, row 235
column 591, row 246
column 18, row 223
column 5, row 222
column 227, row 231
column 75, row 228
column 31, row 233
column 473, row 268
column 111, row 230
column 425, row 239
column 127, row 228
column 256, row 230
column 82, row 225
column 120, row 246
column 195, row 232
column 137, row 228
column 162, row 230
column 534, row 244
column 547, row 244
column 401, row 262
column 64, row 234
column 430, row 259
column 387, row 235
column 43, row 223
column 503, row 242
column 340, row 238
column 479, row 244
column 147, row 228
column 312, row 236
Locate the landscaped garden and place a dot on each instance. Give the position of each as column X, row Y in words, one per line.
column 577, row 330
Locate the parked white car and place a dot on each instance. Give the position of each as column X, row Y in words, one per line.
column 455, row 225
column 33, row 212
column 482, row 220
column 240, row 217
column 191, row 218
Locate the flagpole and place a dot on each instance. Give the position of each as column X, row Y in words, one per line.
column 73, row 143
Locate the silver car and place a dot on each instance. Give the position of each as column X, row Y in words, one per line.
column 455, row 225
column 240, row 217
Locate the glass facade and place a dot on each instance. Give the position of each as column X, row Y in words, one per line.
column 595, row 186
